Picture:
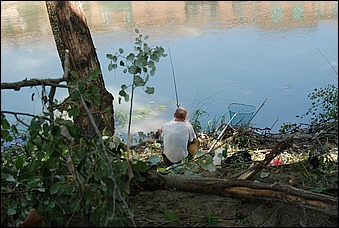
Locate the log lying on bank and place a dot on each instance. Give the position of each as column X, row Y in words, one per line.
column 244, row 190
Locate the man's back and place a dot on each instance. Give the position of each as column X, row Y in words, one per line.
column 176, row 136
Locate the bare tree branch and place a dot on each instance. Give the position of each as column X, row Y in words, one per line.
column 34, row 82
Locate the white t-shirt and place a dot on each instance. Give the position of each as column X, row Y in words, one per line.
column 176, row 135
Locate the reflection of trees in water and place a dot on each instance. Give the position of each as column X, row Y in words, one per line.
column 19, row 18
column 194, row 9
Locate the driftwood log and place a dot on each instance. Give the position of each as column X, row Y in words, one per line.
column 244, row 190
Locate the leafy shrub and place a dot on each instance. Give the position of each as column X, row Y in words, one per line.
column 324, row 107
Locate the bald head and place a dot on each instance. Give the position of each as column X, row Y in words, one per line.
column 180, row 114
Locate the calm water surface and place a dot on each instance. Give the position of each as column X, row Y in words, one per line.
column 222, row 52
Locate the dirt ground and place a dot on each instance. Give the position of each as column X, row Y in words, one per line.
column 172, row 208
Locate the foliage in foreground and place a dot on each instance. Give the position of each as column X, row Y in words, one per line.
column 64, row 176
column 61, row 175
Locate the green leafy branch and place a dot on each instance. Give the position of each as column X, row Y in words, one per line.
column 141, row 65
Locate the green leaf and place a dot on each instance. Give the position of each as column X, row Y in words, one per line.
column 95, row 213
column 11, row 211
column 76, row 95
column 69, row 190
column 149, row 90
column 32, row 166
column 137, row 63
column 34, row 124
column 140, row 166
column 130, row 57
column 138, row 81
column 137, row 42
column 51, row 204
column 88, row 195
column 152, row 72
column 4, row 122
column 73, row 112
column 28, row 196
column 154, row 160
column 264, row 174
column 110, row 67
column 82, row 162
column 121, row 50
column 136, row 31
column 5, row 134
column 147, row 78
column 96, row 100
column 55, row 188
column 10, row 178
column 99, row 174
column 14, row 129
column 211, row 167
column 75, row 205
column 109, row 56
column 41, row 189
column 55, row 130
column 150, row 64
column 199, row 153
column 94, row 75
column 126, row 98
column 132, row 70
column 74, row 73
column 19, row 162
column 121, row 166
column 95, row 90
column 155, row 57
column 73, row 130
column 61, row 190
column 169, row 216
column 50, row 163
column 146, row 49
column 211, row 220
column 122, row 93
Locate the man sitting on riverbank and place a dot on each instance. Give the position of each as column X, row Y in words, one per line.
column 178, row 135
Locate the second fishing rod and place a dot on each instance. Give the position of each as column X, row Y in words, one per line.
column 175, row 84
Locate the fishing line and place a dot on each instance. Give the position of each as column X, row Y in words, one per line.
column 175, row 84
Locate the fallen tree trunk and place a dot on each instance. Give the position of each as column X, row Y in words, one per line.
column 243, row 189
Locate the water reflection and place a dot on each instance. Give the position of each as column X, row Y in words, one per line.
column 163, row 18
column 223, row 52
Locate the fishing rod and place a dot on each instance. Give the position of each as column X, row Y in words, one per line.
column 175, row 84
column 257, row 111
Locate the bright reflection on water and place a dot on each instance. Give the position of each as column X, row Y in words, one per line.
column 222, row 52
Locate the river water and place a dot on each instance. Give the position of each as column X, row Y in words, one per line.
column 253, row 52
